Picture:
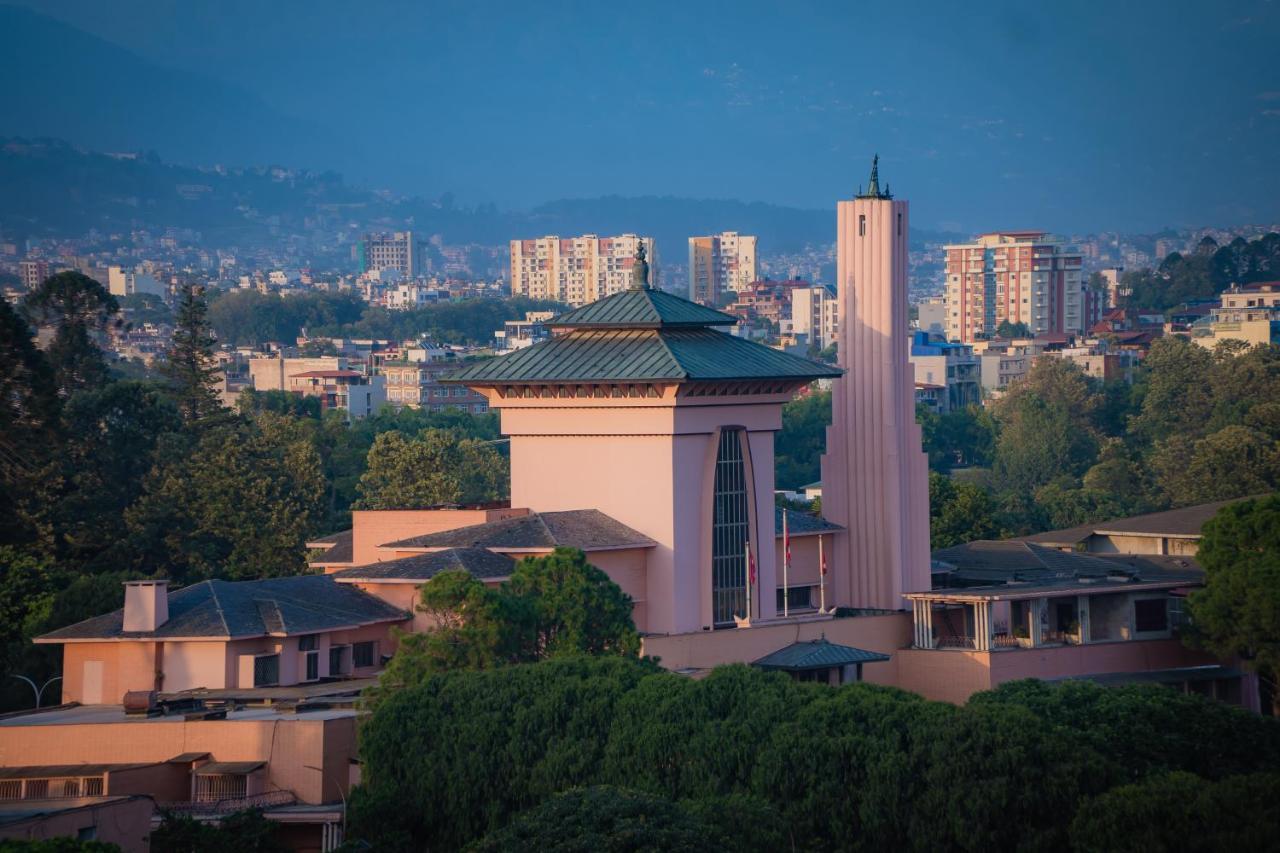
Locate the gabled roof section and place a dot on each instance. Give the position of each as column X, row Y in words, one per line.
column 641, row 308
column 477, row 562
column 641, row 355
column 339, row 549
column 1185, row 522
column 802, row 523
column 587, row 529
column 816, row 654
column 217, row 609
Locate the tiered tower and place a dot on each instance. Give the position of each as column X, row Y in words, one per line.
column 875, row 474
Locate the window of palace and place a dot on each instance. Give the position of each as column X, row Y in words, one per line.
column 729, row 531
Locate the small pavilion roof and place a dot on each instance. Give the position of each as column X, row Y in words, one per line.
column 641, row 308
column 816, row 654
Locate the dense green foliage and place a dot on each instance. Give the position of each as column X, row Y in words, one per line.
column 853, row 768
column 1237, row 612
column 247, row 317
column 432, row 468
column 553, row 606
column 1204, row 273
column 55, row 845
column 244, row 832
column 798, row 446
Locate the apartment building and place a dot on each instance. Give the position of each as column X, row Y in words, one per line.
column 122, row 282
column 576, row 270
column 416, row 385
column 1248, row 313
column 397, row 250
column 33, row 273
column 1020, row 276
column 949, row 369
column 815, row 314
column 720, row 263
column 518, row 334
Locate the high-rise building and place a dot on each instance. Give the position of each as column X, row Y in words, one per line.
column 395, row 251
column 1019, row 276
column 720, row 263
column 875, row 474
column 815, row 313
column 33, row 273
column 575, row 270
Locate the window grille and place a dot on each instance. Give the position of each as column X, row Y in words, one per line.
column 11, row 789
column 729, row 531
column 309, row 643
column 36, row 789
column 221, row 786
column 313, row 666
column 363, row 654
column 266, row 670
column 93, row 786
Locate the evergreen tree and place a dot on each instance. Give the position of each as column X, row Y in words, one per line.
column 190, row 365
column 79, row 309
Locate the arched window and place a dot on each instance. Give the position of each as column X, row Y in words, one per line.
column 729, row 531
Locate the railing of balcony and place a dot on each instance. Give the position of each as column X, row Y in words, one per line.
column 268, row 800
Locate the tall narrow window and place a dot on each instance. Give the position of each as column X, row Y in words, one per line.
column 899, row 224
column 862, row 224
column 729, row 531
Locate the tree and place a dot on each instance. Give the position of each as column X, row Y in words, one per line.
column 189, row 364
column 959, row 512
column 1009, row 330
column 63, row 844
column 28, row 411
column 246, row 831
column 1231, row 462
column 1178, row 390
column 79, row 309
column 607, row 819
column 575, row 607
column 1237, row 612
column 798, row 446
column 1180, row 812
column 432, row 469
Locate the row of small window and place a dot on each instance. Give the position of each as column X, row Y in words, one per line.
column 266, row 668
column 41, row 789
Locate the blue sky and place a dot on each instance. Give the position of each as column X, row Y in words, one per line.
column 1065, row 115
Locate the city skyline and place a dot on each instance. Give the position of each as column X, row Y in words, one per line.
column 1010, row 118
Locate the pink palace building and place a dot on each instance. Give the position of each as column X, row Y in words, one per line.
column 642, row 432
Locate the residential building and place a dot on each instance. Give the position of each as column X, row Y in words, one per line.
column 719, row 264
column 951, row 368
column 575, row 270
column 352, row 391
column 122, row 282
column 518, row 334
column 931, row 314
column 398, row 250
column 1115, row 292
column 1002, row 362
column 1015, row 276
column 875, row 488
column 1249, row 313
column 33, row 272
column 765, row 301
column 815, row 313
column 405, row 296
column 415, row 384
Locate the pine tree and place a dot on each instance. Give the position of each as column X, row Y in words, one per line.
column 190, row 365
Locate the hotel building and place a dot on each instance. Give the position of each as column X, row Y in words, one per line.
column 1019, row 276
column 720, row 263
column 575, row 270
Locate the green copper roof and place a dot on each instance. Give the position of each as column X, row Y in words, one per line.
column 817, row 654
column 641, row 308
column 641, row 355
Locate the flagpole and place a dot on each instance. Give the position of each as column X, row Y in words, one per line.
column 822, row 576
column 786, row 566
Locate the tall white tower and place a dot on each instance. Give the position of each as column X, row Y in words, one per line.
column 875, row 478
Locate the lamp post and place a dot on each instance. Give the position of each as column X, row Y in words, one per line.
column 39, row 691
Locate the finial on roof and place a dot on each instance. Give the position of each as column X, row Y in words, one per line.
column 873, row 186
column 640, row 270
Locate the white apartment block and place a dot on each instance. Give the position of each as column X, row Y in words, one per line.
column 815, row 314
column 1020, row 276
column 577, row 270
column 720, row 263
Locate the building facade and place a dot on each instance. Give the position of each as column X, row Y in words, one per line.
column 874, row 472
column 720, row 263
column 416, row 385
column 815, row 313
column 122, row 282
column 950, row 368
column 33, row 273
column 1249, row 313
column 397, row 250
column 1015, row 276
column 575, row 270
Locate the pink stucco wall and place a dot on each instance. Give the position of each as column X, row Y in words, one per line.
column 874, row 473
column 125, row 823
column 372, row 528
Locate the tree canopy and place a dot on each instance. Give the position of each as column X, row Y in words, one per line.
column 433, row 468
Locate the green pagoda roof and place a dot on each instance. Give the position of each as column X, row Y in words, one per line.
column 817, row 654
column 641, row 308
column 641, row 355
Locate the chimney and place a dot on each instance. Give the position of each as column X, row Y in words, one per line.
column 146, row 604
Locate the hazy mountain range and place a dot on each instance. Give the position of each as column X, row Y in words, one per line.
column 78, row 96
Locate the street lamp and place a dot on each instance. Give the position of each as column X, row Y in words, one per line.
column 39, row 691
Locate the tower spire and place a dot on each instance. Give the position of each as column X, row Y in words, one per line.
column 640, row 270
column 873, row 186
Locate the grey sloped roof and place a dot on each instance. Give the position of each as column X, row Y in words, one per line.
column 816, row 654
column 1186, row 521
column 641, row 308
column 802, row 523
column 215, row 608
column 1014, row 566
column 478, row 562
column 587, row 529
column 341, row 549
column 641, row 355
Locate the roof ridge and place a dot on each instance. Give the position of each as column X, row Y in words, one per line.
column 217, row 604
column 666, row 347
